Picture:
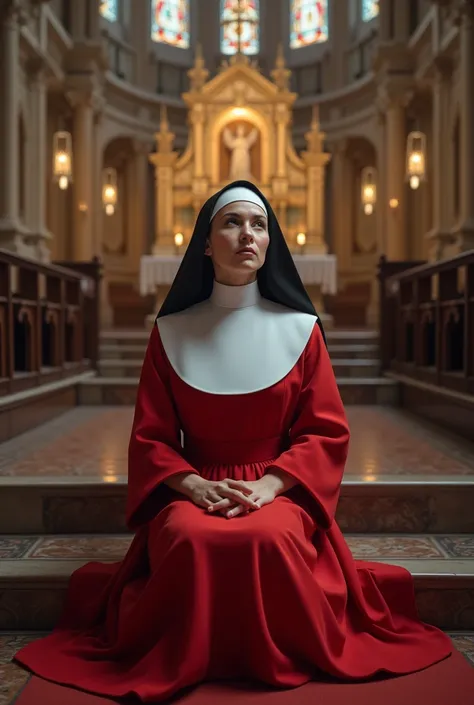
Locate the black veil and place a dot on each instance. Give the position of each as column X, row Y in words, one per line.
column 278, row 279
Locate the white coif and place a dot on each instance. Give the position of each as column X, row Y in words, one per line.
column 239, row 193
column 236, row 342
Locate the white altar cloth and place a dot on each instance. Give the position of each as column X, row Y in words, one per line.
column 321, row 270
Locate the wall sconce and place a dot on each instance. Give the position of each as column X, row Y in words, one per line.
column 62, row 159
column 83, row 207
column 368, row 189
column 178, row 242
column 301, row 241
column 416, row 159
column 109, row 190
column 393, row 203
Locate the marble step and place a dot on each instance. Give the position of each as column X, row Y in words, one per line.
column 343, row 368
column 387, row 504
column 33, row 582
column 350, row 351
column 113, row 391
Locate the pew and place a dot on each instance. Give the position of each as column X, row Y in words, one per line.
column 427, row 336
column 49, row 321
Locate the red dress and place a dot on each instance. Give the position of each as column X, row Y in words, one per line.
column 274, row 595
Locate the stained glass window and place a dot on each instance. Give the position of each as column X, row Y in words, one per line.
column 309, row 23
column 170, row 22
column 370, row 9
column 109, row 10
column 240, row 20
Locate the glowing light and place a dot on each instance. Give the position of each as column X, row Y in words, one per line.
column 301, row 239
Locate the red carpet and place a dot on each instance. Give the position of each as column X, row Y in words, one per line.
column 450, row 682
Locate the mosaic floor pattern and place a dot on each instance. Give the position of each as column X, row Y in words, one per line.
column 113, row 547
column 93, row 442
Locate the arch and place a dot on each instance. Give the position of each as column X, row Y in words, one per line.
column 229, row 116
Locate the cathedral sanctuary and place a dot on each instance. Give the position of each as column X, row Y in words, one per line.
column 119, row 119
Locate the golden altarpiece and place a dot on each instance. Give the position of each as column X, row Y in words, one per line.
column 240, row 128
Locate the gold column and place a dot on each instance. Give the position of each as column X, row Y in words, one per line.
column 282, row 122
column 164, row 160
column 315, row 159
column 164, row 207
column 197, row 120
column 314, row 209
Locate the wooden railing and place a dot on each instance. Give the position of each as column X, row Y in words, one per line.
column 49, row 319
column 91, row 283
column 388, row 308
column 427, row 321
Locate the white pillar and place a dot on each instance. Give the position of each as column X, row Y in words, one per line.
column 137, row 201
column 83, row 246
column 467, row 127
column 38, row 164
column 9, row 133
column 395, row 174
column 341, row 215
column 440, row 234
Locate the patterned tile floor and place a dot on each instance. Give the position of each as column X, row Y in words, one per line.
column 13, row 678
column 92, row 442
column 113, row 547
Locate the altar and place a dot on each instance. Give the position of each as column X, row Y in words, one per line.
column 240, row 128
column 318, row 273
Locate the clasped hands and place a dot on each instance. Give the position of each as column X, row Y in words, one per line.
column 233, row 497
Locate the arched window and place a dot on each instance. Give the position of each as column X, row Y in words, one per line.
column 308, row 22
column 109, row 10
column 170, row 22
column 370, row 10
column 240, row 20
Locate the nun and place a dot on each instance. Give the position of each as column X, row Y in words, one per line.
column 237, row 569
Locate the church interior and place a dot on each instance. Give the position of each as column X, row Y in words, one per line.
column 118, row 119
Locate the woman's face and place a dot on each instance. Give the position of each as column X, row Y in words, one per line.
column 238, row 243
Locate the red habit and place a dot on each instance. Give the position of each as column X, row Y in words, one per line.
column 273, row 595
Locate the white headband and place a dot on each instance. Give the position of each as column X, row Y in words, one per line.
column 239, row 193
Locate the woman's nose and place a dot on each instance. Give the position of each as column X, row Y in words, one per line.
column 246, row 231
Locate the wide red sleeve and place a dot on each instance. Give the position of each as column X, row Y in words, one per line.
column 319, row 436
column 155, row 452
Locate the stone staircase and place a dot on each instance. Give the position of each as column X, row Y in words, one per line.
column 354, row 355
column 406, row 498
